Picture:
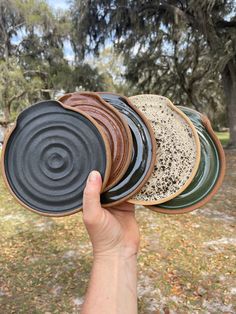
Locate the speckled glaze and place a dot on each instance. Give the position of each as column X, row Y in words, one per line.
column 48, row 154
column 143, row 156
column 114, row 126
column 177, row 154
column 209, row 176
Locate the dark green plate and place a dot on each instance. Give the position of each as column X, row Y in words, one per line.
column 210, row 172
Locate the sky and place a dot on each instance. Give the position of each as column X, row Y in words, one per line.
column 63, row 5
column 58, row 4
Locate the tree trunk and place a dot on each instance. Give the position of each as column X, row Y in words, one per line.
column 6, row 114
column 229, row 85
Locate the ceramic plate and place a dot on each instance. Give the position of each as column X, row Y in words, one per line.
column 210, row 173
column 143, row 156
column 48, row 155
column 177, row 154
column 113, row 125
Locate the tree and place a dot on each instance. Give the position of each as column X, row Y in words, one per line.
column 15, row 89
column 33, row 63
column 111, row 67
column 22, row 80
column 181, row 70
column 144, row 31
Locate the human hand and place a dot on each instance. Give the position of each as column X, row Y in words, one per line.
column 112, row 231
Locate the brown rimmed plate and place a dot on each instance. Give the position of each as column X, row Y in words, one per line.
column 48, row 155
column 114, row 126
column 209, row 176
column 177, row 154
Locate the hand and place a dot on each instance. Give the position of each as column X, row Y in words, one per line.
column 112, row 231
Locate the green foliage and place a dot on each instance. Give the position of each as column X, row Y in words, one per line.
column 16, row 90
column 183, row 50
column 35, row 67
column 111, row 67
column 175, row 48
column 223, row 137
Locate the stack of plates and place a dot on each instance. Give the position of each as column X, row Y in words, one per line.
column 190, row 163
column 148, row 151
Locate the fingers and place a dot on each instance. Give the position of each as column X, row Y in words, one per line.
column 124, row 212
column 91, row 197
column 126, row 207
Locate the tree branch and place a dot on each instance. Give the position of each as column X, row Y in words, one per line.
column 14, row 98
column 225, row 24
column 40, row 73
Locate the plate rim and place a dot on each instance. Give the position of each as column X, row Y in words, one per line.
column 10, row 131
column 124, row 124
column 207, row 124
column 153, row 156
column 196, row 165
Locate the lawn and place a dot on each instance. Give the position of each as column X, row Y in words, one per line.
column 224, row 137
column 187, row 263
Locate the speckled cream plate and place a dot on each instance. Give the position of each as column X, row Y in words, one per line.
column 177, row 153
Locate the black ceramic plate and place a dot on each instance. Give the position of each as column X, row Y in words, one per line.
column 48, row 156
column 143, row 156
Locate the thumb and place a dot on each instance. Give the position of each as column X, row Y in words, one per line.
column 91, row 197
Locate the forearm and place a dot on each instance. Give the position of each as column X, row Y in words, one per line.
column 113, row 286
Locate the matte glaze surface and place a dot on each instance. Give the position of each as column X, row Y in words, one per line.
column 143, row 156
column 114, row 126
column 208, row 172
column 177, row 153
column 49, row 155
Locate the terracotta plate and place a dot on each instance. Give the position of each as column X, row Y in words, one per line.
column 143, row 156
column 210, row 173
column 48, row 155
column 114, row 126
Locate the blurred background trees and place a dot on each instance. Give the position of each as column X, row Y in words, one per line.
column 33, row 63
column 185, row 50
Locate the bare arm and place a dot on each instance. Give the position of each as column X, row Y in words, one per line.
column 115, row 238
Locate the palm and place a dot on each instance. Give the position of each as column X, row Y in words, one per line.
column 117, row 230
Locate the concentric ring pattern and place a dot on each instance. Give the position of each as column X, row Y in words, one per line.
column 49, row 156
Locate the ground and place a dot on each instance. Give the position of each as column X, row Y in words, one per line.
column 187, row 263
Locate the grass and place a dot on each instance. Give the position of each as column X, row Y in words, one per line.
column 187, row 263
column 223, row 137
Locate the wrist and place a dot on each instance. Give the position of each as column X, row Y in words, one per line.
column 113, row 283
column 115, row 255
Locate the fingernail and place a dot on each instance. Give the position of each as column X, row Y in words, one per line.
column 93, row 176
